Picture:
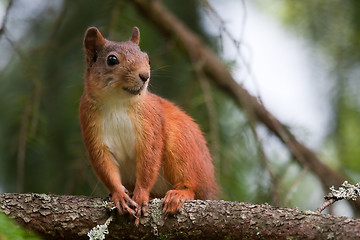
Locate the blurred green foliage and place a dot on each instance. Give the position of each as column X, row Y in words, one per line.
column 11, row 231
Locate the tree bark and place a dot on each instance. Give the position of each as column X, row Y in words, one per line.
column 72, row 217
column 196, row 49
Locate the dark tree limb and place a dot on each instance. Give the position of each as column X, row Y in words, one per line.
column 71, row 217
column 4, row 20
column 196, row 49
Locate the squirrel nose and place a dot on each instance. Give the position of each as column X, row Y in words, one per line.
column 144, row 76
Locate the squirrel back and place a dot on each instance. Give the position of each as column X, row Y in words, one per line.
column 136, row 139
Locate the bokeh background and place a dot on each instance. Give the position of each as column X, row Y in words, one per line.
column 301, row 58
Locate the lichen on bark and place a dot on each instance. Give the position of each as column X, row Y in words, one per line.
column 72, row 217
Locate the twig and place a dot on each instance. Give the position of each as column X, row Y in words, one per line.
column 31, row 111
column 346, row 191
column 266, row 164
column 22, row 147
column 114, row 18
column 251, row 117
column 237, row 43
column 326, row 204
column 211, row 109
column 56, row 26
column 293, row 188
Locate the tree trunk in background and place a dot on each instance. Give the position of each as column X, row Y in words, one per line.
column 71, row 217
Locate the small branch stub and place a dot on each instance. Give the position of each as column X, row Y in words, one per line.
column 346, row 191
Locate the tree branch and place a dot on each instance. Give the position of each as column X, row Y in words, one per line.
column 4, row 21
column 197, row 50
column 72, row 217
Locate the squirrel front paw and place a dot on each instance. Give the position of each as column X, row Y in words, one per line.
column 174, row 199
column 141, row 198
column 124, row 203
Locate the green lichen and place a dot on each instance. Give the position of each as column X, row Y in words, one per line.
column 100, row 231
column 44, row 197
column 101, row 204
column 156, row 215
column 153, row 217
column 27, row 199
column 330, row 236
column 346, row 191
column 72, row 216
column 309, row 212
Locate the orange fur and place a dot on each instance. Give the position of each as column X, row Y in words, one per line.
column 123, row 125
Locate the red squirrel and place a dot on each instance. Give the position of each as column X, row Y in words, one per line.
column 137, row 140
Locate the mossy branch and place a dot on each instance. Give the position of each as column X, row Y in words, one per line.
column 72, row 217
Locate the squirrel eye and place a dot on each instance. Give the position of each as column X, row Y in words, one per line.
column 112, row 60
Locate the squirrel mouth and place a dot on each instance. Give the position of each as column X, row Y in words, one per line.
column 134, row 90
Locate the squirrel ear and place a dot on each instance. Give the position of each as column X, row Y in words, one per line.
column 93, row 40
column 135, row 36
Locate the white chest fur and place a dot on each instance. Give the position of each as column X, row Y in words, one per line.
column 119, row 136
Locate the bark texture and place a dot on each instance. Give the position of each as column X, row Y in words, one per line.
column 71, row 217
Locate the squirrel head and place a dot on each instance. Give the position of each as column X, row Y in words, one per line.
column 115, row 66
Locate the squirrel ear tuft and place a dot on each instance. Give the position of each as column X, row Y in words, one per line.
column 93, row 41
column 135, row 36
